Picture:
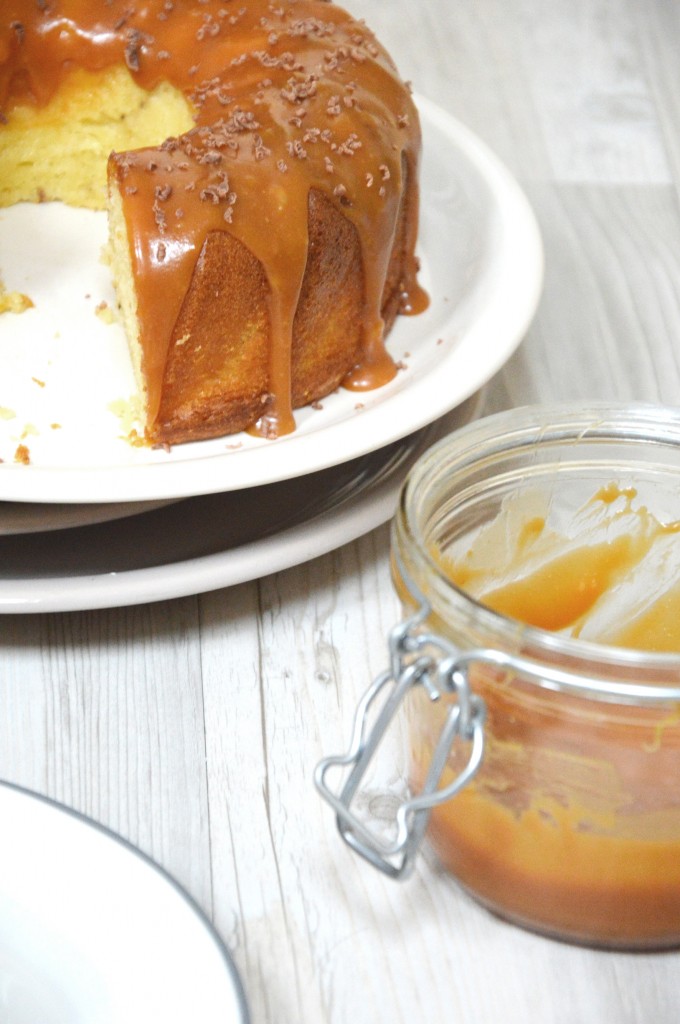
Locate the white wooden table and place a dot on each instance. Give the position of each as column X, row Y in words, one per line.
column 192, row 727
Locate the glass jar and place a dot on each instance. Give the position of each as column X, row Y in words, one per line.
column 545, row 769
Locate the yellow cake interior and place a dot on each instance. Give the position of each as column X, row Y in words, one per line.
column 117, row 255
column 60, row 151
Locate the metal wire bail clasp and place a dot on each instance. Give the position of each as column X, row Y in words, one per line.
column 416, row 659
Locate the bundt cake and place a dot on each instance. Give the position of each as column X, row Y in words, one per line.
column 259, row 161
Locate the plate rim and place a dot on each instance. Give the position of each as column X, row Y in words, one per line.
column 375, row 427
column 305, row 540
column 126, row 846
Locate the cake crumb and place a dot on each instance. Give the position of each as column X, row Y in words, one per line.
column 14, row 302
column 22, row 455
column 7, row 414
column 135, row 439
column 40, row 383
column 105, row 313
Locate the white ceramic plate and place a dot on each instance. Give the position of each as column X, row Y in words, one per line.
column 214, row 540
column 92, row 932
column 66, row 383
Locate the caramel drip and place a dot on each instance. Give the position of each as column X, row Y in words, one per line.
column 283, row 300
column 288, row 96
column 414, row 299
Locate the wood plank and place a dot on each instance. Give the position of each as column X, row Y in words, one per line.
column 103, row 712
column 607, row 324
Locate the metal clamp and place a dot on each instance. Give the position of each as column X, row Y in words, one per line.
column 424, row 659
column 416, row 659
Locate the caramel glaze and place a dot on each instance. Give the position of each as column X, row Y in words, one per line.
column 289, row 96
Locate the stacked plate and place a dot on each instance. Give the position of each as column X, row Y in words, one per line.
column 88, row 520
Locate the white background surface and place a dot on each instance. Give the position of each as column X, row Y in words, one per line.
column 192, row 726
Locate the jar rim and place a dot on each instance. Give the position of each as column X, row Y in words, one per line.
column 643, row 423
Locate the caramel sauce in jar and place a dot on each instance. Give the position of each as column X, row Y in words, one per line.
column 552, row 536
column 611, row 575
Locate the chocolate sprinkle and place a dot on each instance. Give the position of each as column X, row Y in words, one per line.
column 133, row 50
